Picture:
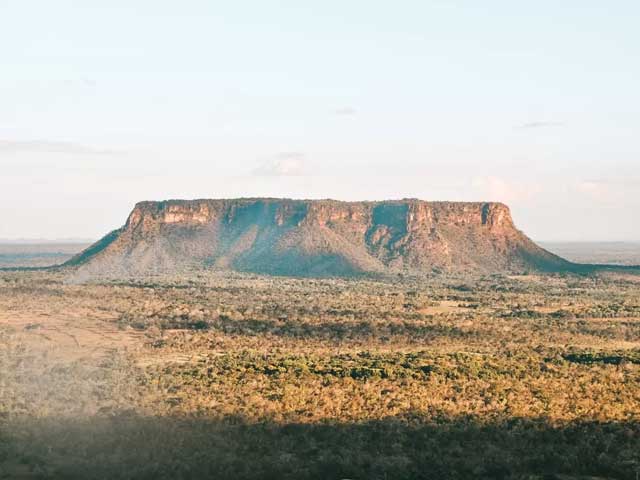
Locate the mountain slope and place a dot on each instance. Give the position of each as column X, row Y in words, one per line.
column 316, row 238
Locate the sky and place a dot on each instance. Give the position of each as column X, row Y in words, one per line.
column 535, row 104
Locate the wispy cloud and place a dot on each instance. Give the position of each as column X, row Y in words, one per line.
column 49, row 146
column 505, row 190
column 82, row 82
column 615, row 189
column 532, row 125
column 345, row 111
column 596, row 190
column 283, row 164
column 633, row 182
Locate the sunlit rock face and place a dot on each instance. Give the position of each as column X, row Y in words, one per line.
column 316, row 238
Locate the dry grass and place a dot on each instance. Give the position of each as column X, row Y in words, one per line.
column 238, row 376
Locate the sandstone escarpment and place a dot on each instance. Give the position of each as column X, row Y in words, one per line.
column 316, row 237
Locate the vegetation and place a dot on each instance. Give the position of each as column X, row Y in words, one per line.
column 242, row 376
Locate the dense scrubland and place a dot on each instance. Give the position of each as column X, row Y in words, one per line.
column 217, row 375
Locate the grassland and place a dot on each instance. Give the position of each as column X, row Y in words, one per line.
column 236, row 376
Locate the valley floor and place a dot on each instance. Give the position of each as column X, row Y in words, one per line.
column 238, row 376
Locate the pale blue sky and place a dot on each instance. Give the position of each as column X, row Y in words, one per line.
column 536, row 104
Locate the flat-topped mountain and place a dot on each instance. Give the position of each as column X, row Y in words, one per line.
column 316, row 238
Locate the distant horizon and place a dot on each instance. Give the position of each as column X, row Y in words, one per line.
column 88, row 240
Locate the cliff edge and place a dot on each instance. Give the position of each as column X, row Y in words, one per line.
column 316, row 238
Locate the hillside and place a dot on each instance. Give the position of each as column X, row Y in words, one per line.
column 316, row 238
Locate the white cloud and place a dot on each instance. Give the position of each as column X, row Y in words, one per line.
column 283, row 165
column 502, row 190
column 532, row 125
column 609, row 190
column 593, row 188
column 49, row 146
column 345, row 111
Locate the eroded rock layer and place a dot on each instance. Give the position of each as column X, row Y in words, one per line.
column 316, row 238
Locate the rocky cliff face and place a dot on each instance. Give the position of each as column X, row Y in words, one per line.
column 316, row 237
